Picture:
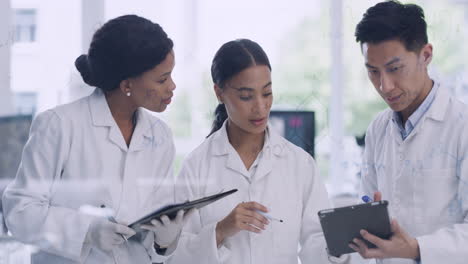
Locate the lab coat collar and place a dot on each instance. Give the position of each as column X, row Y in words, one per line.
column 272, row 148
column 102, row 116
column 437, row 112
column 143, row 131
column 439, row 107
column 222, row 146
column 100, row 111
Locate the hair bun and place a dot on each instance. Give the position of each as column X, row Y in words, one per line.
column 83, row 66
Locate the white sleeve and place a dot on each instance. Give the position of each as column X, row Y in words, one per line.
column 368, row 172
column 58, row 230
column 450, row 244
column 197, row 243
column 315, row 198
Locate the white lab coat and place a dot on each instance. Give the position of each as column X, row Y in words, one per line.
column 424, row 177
column 75, row 156
column 286, row 181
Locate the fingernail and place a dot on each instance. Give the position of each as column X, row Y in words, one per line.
column 363, row 232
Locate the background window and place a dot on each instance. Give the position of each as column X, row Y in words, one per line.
column 24, row 21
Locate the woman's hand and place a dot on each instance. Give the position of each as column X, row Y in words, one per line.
column 106, row 235
column 167, row 231
column 242, row 217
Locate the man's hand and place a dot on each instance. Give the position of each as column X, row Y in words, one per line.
column 400, row 245
column 377, row 196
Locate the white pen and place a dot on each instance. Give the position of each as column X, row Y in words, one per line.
column 269, row 216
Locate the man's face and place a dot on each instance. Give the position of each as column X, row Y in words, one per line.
column 398, row 75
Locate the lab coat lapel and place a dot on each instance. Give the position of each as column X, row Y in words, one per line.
column 272, row 151
column 394, row 130
column 222, row 147
column 142, row 136
column 235, row 163
column 439, row 107
column 115, row 136
column 265, row 164
column 102, row 117
column 436, row 112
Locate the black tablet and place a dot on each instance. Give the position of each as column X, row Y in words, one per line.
column 171, row 210
column 341, row 225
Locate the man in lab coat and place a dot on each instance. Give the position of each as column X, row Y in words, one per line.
column 415, row 151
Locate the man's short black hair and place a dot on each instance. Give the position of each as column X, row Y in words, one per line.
column 392, row 20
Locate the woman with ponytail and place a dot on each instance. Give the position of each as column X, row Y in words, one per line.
column 97, row 164
column 273, row 176
column 220, row 115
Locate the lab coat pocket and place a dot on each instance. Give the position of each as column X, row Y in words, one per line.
column 286, row 234
column 284, row 242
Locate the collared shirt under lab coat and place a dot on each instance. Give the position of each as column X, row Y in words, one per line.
column 75, row 156
column 286, row 181
column 415, row 117
column 424, row 178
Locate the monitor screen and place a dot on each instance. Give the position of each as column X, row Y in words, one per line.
column 296, row 126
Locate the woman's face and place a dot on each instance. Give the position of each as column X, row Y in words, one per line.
column 154, row 88
column 248, row 97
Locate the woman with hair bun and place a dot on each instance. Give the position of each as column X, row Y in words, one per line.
column 97, row 164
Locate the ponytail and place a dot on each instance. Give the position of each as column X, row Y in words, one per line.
column 220, row 116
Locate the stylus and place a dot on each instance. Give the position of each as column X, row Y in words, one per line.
column 269, row 216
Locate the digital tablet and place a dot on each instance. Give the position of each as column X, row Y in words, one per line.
column 341, row 225
column 171, row 210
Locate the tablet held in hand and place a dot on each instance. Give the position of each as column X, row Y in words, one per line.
column 341, row 225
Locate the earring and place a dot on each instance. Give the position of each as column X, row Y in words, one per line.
column 128, row 94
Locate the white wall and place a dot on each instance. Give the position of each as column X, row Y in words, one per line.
column 92, row 17
column 59, row 27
